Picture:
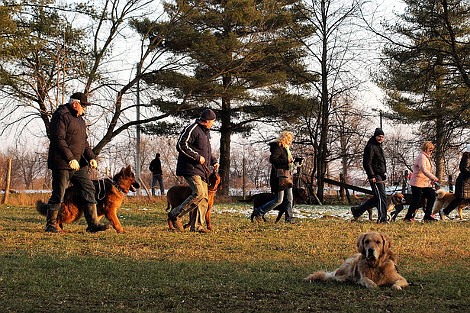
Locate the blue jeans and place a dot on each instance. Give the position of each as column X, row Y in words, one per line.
column 157, row 178
column 61, row 180
column 278, row 200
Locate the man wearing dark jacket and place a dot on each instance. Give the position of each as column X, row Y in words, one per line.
column 375, row 166
column 194, row 157
column 157, row 174
column 69, row 156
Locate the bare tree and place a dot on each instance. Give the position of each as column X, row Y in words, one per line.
column 335, row 52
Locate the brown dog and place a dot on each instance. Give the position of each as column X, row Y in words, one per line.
column 177, row 194
column 373, row 266
column 443, row 198
column 108, row 193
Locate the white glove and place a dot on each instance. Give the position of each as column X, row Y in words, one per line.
column 94, row 164
column 74, row 165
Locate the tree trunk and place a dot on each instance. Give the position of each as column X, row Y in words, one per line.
column 225, row 136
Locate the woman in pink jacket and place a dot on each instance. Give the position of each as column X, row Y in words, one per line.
column 422, row 180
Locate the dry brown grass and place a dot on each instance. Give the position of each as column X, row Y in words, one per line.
column 239, row 267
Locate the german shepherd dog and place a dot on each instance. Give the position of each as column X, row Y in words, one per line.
column 300, row 195
column 108, row 193
column 177, row 194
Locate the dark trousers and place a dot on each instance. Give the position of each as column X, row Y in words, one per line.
column 418, row 194
column 157, row 178
column 379, row 200
column 80, row 179
column 453, row 205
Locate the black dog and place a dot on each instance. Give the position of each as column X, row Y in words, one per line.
column 300, row 195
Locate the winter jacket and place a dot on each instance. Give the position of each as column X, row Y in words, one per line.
column 422, row 175
column 68, row 140
column 279, row 160
column 462, row 183
column 156, row 167
column 193, row 143
column 374, row 159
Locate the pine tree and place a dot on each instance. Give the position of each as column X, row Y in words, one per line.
column 241, row 57
column 426, row 73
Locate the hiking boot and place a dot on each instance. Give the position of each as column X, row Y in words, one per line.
column 409, row 220
column 203, row 231
column 52, row 226
column 92, row 219
column 96, row 228
column 175, row 222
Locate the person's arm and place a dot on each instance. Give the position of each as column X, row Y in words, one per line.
column 184, row 143
column 58, row 131
column 367, row 162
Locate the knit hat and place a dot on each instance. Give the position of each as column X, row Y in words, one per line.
column 80, row 97
column 379, row 132
column 208, row 115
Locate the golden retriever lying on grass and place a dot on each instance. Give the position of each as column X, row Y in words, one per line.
column 373, row 266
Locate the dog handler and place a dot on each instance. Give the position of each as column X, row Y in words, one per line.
column 462, row 184
column 280, row 159
column 375, row 166
column 69, row 157
column 422, row 182
column 195, row 155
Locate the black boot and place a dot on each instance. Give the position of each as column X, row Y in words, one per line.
column 51, row 219
column 92, row 219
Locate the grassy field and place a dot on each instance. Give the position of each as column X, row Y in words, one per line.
column 239, row 267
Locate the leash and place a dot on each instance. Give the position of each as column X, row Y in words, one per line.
column 206, row 169
column 101, row 192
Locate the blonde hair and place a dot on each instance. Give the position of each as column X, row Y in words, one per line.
column 427, row 145
column 285, row 138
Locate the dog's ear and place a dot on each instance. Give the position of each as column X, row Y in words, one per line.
column 387, row 242
column 360, row 244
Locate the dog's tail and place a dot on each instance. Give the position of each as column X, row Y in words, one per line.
column 41, row 207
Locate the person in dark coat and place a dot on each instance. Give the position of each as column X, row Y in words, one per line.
column 375, row 166
column 462, row 184
column 157, row 174
column 194, row 158
column 68, row 158
column 280, row 159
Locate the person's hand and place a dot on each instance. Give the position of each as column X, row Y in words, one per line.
column 202, row 160
column 216, row 167
column 94, row 164
column 74, row 165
